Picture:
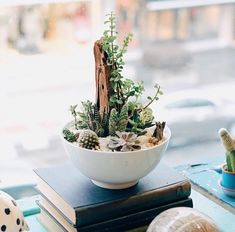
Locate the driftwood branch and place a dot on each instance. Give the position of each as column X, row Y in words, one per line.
column 158, row 132
column 102, row 74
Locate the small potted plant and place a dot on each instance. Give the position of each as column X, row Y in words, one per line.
column 227, row 181
column 115, row 141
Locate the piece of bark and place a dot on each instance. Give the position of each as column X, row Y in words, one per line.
column 102, row 75
column 158, row 132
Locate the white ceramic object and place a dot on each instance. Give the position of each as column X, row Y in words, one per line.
column 11, row 217
column 115, row 170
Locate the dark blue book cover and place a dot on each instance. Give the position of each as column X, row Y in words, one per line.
column 124, row 223
column 82, row 203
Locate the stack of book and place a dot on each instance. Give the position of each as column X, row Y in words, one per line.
column 71, row 202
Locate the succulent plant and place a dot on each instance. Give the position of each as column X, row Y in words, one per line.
column 135, row 123
column 141, row 117
column 70, row 136
column 88, row 139
column 146, row 115
column 229, row 145
column 125, row 141
column 131, row 106
column 89, row 118
column 118, row 122
column 113, row 119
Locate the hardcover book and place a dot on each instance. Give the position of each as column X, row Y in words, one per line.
column 83, row 203
column 140, row 219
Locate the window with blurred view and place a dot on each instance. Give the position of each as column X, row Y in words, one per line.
column 47, row 64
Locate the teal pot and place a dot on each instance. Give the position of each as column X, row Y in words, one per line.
column 227, row 181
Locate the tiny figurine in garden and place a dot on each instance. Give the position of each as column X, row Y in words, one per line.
column 11, row 218
column 117, row 121
column 228, row 170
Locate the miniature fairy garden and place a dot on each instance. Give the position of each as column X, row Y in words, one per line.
column 117, row 121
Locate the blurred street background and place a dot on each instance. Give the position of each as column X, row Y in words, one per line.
column 47, row 64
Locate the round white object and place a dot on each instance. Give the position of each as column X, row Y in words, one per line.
column 11, row 217
column 182, row 219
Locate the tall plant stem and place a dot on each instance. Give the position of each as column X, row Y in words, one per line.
column 152, row 100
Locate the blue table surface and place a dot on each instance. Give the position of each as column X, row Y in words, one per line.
column 224, row 219
column 200, row 175
column 204, row 177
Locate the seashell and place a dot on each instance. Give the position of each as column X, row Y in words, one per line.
column 182, row 219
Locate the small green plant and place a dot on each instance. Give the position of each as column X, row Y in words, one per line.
column 122, row 88
column 118, row 121
column 89, row 118
column 124, row 141
column 229, row 145
column 118, row 107
column 230, row 159
column 70, row 136
column 88, row 139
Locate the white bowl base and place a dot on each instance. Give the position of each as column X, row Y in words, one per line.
column 114, row 186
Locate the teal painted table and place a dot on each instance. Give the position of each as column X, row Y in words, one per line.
column 208, row 198
column 223, row 218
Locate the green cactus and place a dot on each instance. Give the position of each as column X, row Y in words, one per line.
column 229, row 145
column 118, row 122
column 113, row 119
column 230, row 159
column 88, row 139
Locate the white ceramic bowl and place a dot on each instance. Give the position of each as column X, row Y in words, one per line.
column 115, row 170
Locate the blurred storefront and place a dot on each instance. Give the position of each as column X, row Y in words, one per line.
column 28, row 28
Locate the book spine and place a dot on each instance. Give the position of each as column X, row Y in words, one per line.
column 136, row 220
column 133, row 204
